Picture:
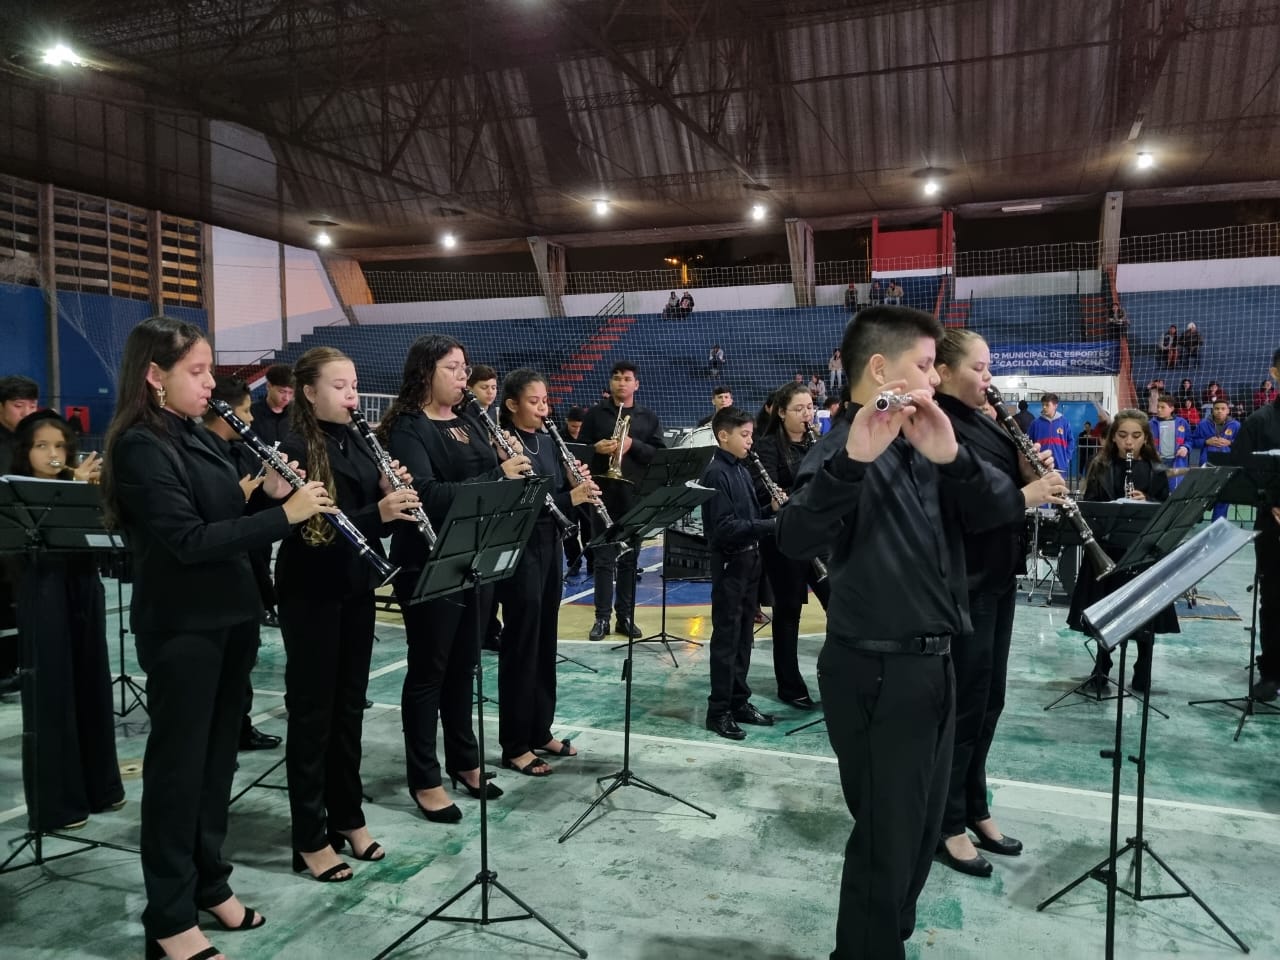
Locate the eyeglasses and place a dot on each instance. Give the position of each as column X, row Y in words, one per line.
column 805, row 409
column 455, row 367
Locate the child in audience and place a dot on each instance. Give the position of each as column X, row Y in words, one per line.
column 1215, row 435
column 1172, row 438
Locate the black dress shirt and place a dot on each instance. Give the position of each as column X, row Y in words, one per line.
column 267, row 424
column 781, row 458
column 731, row 518
column 541, row 451
column 1260, row 432
column 895, row 529
column 646, row 438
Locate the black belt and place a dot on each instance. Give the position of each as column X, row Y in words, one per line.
column 739, row 552
column 930, row 645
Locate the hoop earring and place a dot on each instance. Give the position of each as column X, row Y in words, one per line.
column 160, row 396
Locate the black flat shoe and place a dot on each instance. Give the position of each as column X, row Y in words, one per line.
column 369, row 854
column 800, row 703
column 726, row 727
column 328, row 876
column 979, row 866
column 492, row 790
column 627, row 627
column 156, row 952
column 250, row 921
column 449, row 814
column 1005, row 846
column 255, row 739
column 747, row 713
column 599, row 630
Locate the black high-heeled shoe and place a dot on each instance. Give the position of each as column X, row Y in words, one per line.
column 156, row 952
column 328, row 876
column 449, row 814
column 247, row 922
column 338, row 840
column 492, row 790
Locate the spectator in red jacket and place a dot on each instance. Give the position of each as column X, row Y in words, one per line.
column 1264, row 395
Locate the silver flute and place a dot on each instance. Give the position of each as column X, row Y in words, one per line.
column 779, row 496
column 420, row 517
column 571, row 467
column 1068, row 508
column 567, row 527
column 339, row 521
column 888, row 400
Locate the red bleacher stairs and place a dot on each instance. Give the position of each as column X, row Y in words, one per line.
column 951, row 311
column 586, row 358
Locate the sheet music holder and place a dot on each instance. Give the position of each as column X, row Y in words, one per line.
column 37, row 518
column 672, row 467
column 1113, row 620
column 480, row 541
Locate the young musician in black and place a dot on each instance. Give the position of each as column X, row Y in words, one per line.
column 194, row 613
column 993, row 561
column 1127, row 467
column 890, row 495
column 443, row 448
column 735, row 526
column 643, row 438
column 527, row 659
column 271, row 413
column 1259, row 433
column 786, row 440
column 327, row 617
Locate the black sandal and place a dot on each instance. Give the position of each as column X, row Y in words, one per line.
column 156, row 952
column 537, row 767
column 246, row 922
column 328, row 876
column 566, row 750
column 338, row 840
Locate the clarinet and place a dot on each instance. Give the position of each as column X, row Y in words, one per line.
column 420, row 517
column 339, row 521
column 1128, row 475
column 779, row 496
column 567, row 527
column 1103, row 564
column 571, row 466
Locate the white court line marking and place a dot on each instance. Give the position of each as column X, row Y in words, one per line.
column 587, row 593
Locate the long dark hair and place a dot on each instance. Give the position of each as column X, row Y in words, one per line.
column 302, row 419
column 1103, row 459
column 159, row 340
column 781, row 400
column 513, row 387
column 25, row 437
column 419, row 369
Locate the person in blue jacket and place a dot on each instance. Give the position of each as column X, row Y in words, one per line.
column 1215, row 434
column 1172, row 437
column 1052, row 431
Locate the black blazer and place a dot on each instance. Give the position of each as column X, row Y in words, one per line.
column 183, row 513
column 335, row 568
column 995, row 557
column 438, row 466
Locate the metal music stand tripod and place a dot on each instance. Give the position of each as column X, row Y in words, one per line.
column 39, row 518
column 480, row 542
column 1113, row 621
column 655, row 512
column 670, row 467
column 1256, row 485
column 119, row 563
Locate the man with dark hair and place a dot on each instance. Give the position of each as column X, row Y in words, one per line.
column 19, row 397
column 890, row 495
column 644, row 436
column 235, row 393
column 1023, row 417
column 721, row 397
column 573, row 422
column 1261, row 432
column 271, row 413
column 483, row 382
column 734, row 528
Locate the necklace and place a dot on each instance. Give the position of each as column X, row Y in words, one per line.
column 532, row 443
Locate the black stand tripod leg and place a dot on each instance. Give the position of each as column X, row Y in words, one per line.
column 806, row 726
column 1194, row 896
column 257, row 782
column 561, row 658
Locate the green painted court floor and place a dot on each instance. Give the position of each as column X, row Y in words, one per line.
column 648, row 878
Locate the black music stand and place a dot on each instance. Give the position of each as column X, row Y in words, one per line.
column 480, row 542
column 655, row 512
column 1256, row 485
column 1113, row 620
column 670, row 467
column 37, row 518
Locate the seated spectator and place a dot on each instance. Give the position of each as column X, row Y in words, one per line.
column 877, row 293
column 686, row 305
column 672, row 310
column 1118, row 318
column 851, row 297
column 1186, row 391
column 798, row 378
column 895, row 292
column 715, row 361
column 1264, row 394
column 1189, row 413
column 1190, row 345
column 818, row 388
column 1168, row 345
column 1208, row 396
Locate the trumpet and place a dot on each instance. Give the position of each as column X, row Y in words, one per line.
column 571, row 468
column 567, row 527
column 361, row 426
column 779, row 496
column 1068, row 508
column 621, row 427
column 339, row 521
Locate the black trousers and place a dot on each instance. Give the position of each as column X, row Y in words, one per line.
column 790, row 580
column 66, row 698
column 261, row 562
column 733, row 605
column 891, row 720
column 439, row 680
column 195, row 696
column 981, row 661
column 611, row 569
column 1267, row 551
column 328, row 641
column 527, row 660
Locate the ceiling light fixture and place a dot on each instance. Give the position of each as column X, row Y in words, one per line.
column 1145, row 160
column 931, row 188
column 757, row 211
column 323, row 239
column 59, row 54
column 1021, row 208
column 449, row 241
column 602, row 207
